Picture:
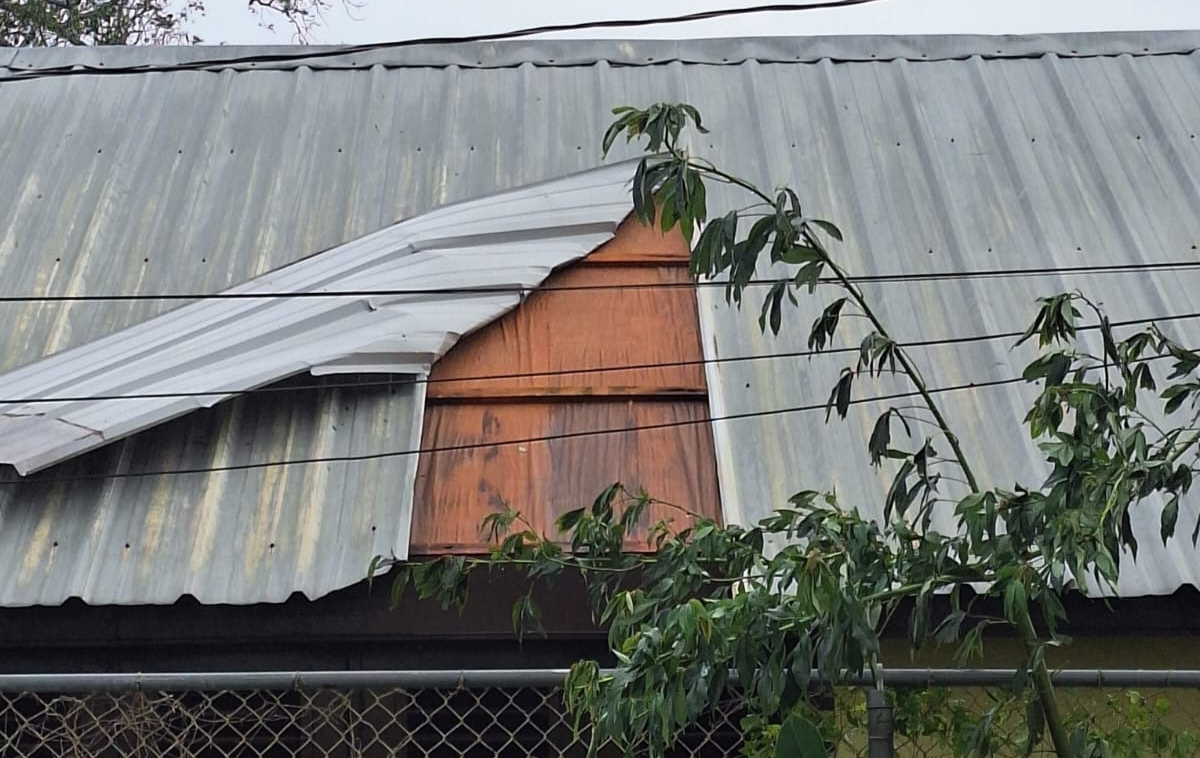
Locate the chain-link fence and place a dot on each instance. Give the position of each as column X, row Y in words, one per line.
column 942, row 720
column 501, row 714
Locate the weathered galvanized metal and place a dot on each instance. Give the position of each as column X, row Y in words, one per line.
column 935, row 154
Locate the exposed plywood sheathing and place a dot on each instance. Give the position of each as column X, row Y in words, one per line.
column 629, row 319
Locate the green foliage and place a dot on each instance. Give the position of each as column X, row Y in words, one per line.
column 799, row 738
column 40, row 23
column 811, row 588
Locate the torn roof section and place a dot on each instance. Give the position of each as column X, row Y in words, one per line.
column 417, row 286
column 935, row 154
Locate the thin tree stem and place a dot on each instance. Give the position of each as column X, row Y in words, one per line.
column 861, row 301
column 1042, row 684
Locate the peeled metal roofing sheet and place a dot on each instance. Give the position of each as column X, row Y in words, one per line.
column 109, row 530
column 500, row 246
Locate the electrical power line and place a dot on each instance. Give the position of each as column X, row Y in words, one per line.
column 508, row 443
column 931, row 276
column 939, row 342
column 343, row 50
column 530, row 440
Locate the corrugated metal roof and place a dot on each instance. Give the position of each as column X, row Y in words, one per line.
column 412, row 283
column 1063, row 142
column 952, row 166
column 225, row 179
column 247, row 536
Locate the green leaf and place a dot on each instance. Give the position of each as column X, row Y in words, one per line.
column 399, row 583
column 602, row 505
column 881, row 437
column 695, row 116
column 839, row 397
column 567, row 521
column 1053, row 367
column 1035, row 722
column 825, row 325
column 1170, row 514
column 1175, row 395
column 947, row 631
column 641, row 195
column 526, row 616
column 610, row 136
column 372, row 568
column 772, row 308
column 828, row 228
column 697, row 197
column 971, row 648
column 1079, row 739
column 1014, row 598
column 809, row 275
column 799, row 738
column 796, row 255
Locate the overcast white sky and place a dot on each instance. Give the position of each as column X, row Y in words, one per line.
column 383, row 20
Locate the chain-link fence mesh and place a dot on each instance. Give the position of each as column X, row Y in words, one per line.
column 324, row 723
column 943, row 721
column 520, row 722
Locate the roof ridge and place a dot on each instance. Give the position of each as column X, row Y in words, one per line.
column 40, row 62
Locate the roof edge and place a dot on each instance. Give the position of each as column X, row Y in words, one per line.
column 16, row 63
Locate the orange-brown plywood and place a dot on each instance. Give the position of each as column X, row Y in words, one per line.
column 637, row 243
column 629, row 304
column 584, row 319
column 544, row 479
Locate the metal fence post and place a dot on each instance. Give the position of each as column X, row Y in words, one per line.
column 880, row 737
